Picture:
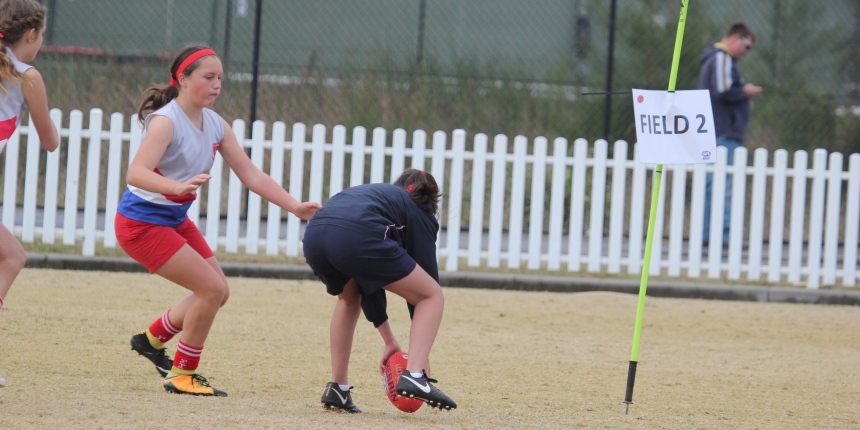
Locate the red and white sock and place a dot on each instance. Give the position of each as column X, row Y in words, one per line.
column 162, row 329
column 187, row 357
column 1, row 302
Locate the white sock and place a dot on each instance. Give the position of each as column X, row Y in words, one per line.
column 416, row 375
column 343, row 387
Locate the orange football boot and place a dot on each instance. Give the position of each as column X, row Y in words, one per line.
column 195, row 385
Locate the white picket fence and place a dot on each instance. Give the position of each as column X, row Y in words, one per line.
column 822, row 236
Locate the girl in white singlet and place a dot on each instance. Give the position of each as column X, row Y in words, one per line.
column 178, row 148
column 22, row 26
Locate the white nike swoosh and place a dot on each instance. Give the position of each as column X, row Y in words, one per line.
column 162, row 369
column 342, row 399
column 424, row 388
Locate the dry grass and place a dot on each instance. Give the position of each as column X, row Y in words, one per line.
column 511, row 359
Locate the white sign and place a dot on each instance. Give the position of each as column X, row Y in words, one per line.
column 675, row 128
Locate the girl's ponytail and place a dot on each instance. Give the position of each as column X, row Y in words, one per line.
column 8, row 72
column 17, row 17
column 156, row 97
column 422, row 188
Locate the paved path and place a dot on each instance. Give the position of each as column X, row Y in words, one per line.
column 690, row 290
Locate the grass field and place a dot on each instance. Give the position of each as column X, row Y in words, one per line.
column 510, row 359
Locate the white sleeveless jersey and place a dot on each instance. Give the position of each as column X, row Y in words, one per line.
column 12, row 107
column 190, row 153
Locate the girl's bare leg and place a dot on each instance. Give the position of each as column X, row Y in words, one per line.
column 342, row 329
column 12, row 259
column 178, row 312
column 188, row 269
column 422, row 291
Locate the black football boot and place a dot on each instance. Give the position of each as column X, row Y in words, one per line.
column 140, row 344
column 335, row 398
column 421, row 388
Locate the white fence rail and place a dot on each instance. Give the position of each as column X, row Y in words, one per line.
column 574, row 209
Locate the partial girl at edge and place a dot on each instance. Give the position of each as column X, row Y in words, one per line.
column 182, row 135
column 22, row 28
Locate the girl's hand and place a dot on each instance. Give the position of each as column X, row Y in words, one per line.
column 192, row 184
column 390, row 349
column 306, row 210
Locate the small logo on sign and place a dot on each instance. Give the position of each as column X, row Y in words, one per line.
column 640, row 99
column 706, row 155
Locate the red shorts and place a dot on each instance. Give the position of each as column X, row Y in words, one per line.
column 152, row 245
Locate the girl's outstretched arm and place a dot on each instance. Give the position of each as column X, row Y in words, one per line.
column 33, row 88
column 258, row 181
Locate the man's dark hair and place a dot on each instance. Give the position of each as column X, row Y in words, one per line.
column 742, row 30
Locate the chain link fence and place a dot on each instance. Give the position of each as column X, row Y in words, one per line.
column 491, row 66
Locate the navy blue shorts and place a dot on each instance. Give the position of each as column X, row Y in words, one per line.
column 337, row 254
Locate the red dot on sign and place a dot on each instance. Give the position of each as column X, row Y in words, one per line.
column 640, row 99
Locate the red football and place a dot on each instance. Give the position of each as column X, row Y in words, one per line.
column 390, row 374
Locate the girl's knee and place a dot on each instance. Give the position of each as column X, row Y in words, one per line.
column 432, row 294
column 226, row 294
column 215, row 292
column 15, row 256
column 350, row 300
column 223, row 291
column 350, row 296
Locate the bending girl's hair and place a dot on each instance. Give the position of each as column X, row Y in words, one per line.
column 16, row 18
column 156, row 97
column 423, row 189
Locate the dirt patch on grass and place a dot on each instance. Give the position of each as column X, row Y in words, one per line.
column 509, row 358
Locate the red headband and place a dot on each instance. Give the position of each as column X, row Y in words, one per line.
column 174, row 80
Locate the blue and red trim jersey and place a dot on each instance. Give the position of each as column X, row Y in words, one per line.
column 190, row 153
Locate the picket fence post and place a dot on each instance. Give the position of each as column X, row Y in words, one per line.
column 816, row 218
column 31, row 185
column 497, row 201
column 476, row 209
column 617, row 208
column 777, row 215
column 536, row 206
column 52, row 179
column 113, row 179
column 757, row 214
column 598, row 197
column 252, row 224
column 831, row 224
column 73, row 166
column 577, row 203
column 92, row 187
column 297, row 169
column 234, row 197
column 739, row 197
column 798, row 216
column 455, row 200
column 276, row 171
column 518, row 194
column 556, row 205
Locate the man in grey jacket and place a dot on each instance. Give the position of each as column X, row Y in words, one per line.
column 730, row 100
